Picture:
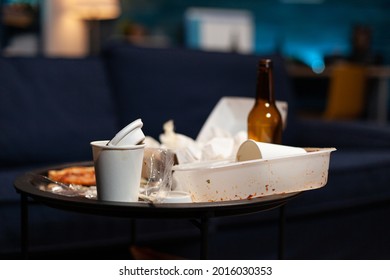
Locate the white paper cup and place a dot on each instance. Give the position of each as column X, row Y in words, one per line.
column 251, row 150
column 118, row 171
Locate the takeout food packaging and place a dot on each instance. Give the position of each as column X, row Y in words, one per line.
column 232, row 180
column 223, row 180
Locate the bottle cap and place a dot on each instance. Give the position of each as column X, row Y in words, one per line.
column 265, row 62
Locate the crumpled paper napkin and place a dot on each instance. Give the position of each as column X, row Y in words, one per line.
column 222, row 145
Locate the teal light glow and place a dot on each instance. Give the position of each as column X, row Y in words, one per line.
column 310, row 56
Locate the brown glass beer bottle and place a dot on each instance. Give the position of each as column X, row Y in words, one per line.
column 264, row 120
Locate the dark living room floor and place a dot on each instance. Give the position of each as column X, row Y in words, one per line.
column 328, row 237
column 227, row 243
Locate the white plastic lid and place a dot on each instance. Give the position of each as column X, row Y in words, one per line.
column 177, row 197
column 131, row 134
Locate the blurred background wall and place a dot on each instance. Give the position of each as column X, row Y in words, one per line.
column 309, row 31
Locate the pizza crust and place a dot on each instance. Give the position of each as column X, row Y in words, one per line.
column 76, row 175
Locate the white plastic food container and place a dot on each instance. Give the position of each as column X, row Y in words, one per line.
column 231, row 180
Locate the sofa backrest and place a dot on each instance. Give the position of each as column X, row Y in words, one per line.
column 180, row 84
column 50, row 109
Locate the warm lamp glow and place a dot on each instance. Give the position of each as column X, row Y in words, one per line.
column 97, row 9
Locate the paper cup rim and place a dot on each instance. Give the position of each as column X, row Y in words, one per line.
column 103, row 144
column 249, row 146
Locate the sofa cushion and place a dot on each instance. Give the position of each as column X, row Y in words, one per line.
column 50, row 109
column 183, row 85
column 342, row 134
column 356, row 178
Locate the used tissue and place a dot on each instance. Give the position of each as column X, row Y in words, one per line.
column 220, row 137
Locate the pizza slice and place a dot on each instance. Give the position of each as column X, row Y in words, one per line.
column 76, row 175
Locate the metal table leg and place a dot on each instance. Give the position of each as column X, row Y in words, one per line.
column 282, row 218
column 133, row 232
column 203, row 226
column 24, row 225
column 204, row 230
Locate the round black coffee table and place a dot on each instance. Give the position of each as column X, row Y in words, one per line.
column 198, row 213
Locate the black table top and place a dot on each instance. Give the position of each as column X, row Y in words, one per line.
column 27, row 184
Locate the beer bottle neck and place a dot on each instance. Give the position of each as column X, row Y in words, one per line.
column 264, row 88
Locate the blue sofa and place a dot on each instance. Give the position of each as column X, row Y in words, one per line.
column 51, row 108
